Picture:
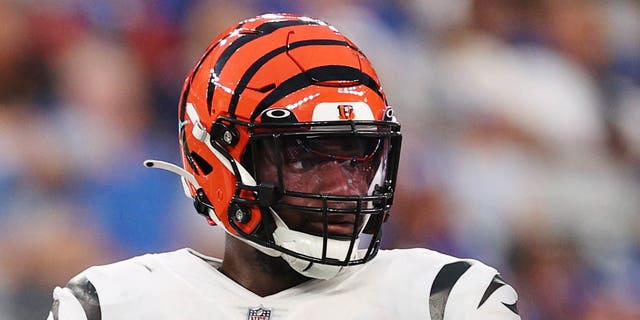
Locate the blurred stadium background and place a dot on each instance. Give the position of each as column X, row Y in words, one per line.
column 521, row 123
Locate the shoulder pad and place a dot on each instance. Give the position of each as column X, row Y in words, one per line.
column 87, row 295
column 498, row 297
column 79, row 293
column 468, row 287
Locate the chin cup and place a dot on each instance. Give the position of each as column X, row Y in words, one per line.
column 312, row 246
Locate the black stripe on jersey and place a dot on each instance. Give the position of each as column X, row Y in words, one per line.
column 54, row 309
column 442, row 285
column 261, row 30
column 253, row 69
column 513, row 307
column 313, row 76
column 87, row 295
column 495, row 284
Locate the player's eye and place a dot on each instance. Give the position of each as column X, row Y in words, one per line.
column 341, row 148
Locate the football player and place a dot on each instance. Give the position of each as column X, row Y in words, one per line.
column 288, row 143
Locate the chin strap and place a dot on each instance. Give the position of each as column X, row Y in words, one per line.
column 312, row 246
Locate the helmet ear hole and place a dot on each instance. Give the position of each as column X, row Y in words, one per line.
column 202, row 164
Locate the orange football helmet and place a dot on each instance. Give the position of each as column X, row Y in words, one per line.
column 288, row 90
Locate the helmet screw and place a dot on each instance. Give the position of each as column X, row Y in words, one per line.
column 224, row 134
column 240, row 214
column 227, row 137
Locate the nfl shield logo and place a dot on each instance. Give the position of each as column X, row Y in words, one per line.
column 259, row 313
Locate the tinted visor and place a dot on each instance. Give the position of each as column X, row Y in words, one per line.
column 339, row 148
column 321, row 164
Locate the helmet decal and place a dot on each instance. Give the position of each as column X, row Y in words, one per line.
column 325, row 74
column 345, row 112
column 327, row 111
column 263, row 29
column 278, row 115
column 247, row 35
column 253, row 69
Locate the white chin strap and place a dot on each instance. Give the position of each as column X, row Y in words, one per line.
column 310, row 245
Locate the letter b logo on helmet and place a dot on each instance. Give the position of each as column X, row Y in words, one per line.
column 345, row 112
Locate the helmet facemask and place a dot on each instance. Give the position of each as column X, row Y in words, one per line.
column 334, row 185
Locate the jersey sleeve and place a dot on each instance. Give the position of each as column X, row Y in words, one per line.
column 77, row 301
column 499, row 301
column 107, row 291
column 468, row 289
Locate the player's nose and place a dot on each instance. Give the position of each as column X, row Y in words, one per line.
column 341, row 178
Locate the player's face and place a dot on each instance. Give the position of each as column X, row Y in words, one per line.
column 337, row 166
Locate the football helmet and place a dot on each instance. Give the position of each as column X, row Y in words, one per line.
column 284, row 114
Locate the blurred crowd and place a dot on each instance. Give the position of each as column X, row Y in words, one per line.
column 521, row 124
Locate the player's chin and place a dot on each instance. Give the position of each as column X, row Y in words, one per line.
column 339, row 226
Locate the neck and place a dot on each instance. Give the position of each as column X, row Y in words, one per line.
column 259, row 273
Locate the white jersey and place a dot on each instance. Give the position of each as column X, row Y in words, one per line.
column 397, row 284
